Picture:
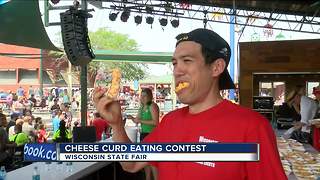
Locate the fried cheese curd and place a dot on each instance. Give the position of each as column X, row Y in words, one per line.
column 181, row 86
column 115, row 84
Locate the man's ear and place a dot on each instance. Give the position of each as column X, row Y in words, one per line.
column 217, row 67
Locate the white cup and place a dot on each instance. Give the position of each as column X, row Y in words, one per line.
column 132, row 133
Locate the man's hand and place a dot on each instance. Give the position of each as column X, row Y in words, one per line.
column 108, row 109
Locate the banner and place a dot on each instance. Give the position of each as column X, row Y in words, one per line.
column 159, row 152
column 40, row 152
column 142, row 152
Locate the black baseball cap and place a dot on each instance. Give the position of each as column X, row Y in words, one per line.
column 218, row 48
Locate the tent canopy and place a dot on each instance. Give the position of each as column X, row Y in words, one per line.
column 21, row 25
column 133, row 56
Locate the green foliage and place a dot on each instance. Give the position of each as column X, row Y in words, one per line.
column 104, row 39
column 110, row 40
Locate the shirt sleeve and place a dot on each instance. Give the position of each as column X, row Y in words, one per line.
column 269, row 166
column 308, row 109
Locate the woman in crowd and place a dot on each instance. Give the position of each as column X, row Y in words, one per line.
column 18, row 107
column 148, row 116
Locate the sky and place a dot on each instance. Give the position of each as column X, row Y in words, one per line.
column 161, row 39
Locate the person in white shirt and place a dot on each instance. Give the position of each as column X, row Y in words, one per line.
column 308, row 109
column 28, row 129
column 316, row 93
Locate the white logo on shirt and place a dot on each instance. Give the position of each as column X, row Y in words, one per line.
column 203, row 139
column 206, row 140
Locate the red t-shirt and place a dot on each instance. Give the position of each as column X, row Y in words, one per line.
column 42, row 136
column 225, row 122
column 101, row 125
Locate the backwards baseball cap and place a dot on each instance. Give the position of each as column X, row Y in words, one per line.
column 218, row 48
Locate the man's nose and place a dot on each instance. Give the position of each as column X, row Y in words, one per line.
column 178, row 70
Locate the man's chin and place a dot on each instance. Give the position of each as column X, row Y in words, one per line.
column 184, row 100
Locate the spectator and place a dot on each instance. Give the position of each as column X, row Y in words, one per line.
column 6, row 147
column 20, row 92
column 28, row 128
column 42, row 134
column 38, row 121
column 148, row 116
column 66, row 100
column 62, row 134
column 12, row 121
column 11, row 129
column 291, row 107
column 9, row 99
column 68, row 116
column 18, row 106
column 56, row 120
column 20, row 138
column 74, row 104
column 100, row 124
column 55, row 105
column 33, row 100
column 31, row 91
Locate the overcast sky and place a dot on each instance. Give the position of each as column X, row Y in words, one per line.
column 158, row 39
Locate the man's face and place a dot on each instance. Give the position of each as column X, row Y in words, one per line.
column 317, row 95
column 189, row 66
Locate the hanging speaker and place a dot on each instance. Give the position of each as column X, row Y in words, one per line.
column 75, row 37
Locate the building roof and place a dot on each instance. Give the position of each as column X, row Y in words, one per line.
column 296, row 7
column 165, row 79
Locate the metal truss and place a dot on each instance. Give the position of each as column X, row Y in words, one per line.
column 241, row 17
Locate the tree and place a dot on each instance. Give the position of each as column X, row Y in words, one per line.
column 104, row 39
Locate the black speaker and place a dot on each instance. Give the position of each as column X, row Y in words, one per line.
column 75, row 37
column 84, row 134
column 263, row 102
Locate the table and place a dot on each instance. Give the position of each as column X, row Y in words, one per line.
column 57, row 172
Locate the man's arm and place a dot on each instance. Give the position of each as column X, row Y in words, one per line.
column 111, row 111
column 308, row 110
column 269, row 165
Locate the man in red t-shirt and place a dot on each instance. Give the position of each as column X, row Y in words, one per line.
column 100, row 124
column 200, row 71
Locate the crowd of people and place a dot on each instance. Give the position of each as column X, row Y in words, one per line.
column 20, row 125
column 23, row 100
